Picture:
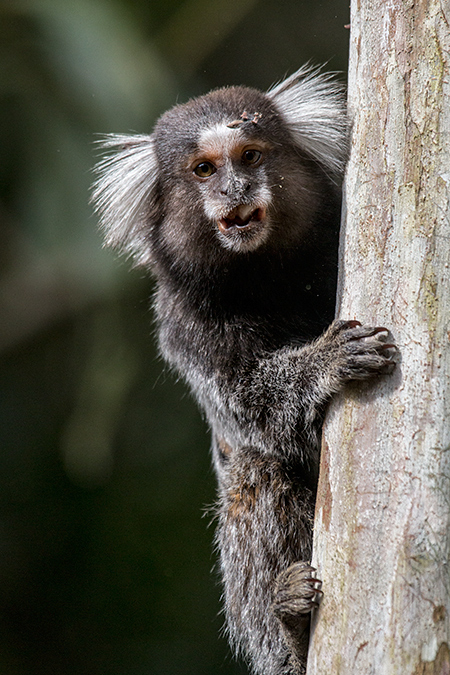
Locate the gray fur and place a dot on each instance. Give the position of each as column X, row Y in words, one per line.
column 234, row 204
column 124, row 192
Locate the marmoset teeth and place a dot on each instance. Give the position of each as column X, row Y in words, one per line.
column 243, row 211
column 241, row 217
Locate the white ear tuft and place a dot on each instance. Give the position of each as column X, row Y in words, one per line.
column 124, row 193
column 313, row 107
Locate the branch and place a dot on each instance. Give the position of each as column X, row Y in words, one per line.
column 383, row 508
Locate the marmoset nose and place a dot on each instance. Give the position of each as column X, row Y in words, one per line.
column 235, row 187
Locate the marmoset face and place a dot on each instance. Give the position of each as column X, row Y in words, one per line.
column 222, row 162
column 230, row 169
column 231, row 176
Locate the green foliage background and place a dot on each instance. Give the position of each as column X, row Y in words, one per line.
column 105, row 558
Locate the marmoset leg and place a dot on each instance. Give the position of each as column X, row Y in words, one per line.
column 265, row 523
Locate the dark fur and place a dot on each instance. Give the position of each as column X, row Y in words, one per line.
column 242, row 325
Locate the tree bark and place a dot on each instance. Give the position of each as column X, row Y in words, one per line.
column 382, row 533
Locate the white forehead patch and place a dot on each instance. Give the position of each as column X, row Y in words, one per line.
column 220, row 139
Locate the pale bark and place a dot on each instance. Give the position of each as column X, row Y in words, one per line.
column 382, row 536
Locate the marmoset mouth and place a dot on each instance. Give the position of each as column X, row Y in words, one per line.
column 241, row 217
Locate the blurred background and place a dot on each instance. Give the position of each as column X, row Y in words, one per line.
column 106, row 558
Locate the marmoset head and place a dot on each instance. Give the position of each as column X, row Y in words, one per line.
column 227, row 173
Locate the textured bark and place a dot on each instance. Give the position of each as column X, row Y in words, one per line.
column 383, row 510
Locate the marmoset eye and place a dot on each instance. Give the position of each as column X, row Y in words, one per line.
column 204, row 169
column 251, row 156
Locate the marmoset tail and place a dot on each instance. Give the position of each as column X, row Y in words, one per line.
column 233, row 203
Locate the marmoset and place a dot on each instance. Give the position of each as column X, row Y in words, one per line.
column 233, row 203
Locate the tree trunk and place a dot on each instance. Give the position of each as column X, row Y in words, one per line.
column 382, row 534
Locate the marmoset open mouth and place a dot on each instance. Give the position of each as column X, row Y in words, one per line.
column 241, row 217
